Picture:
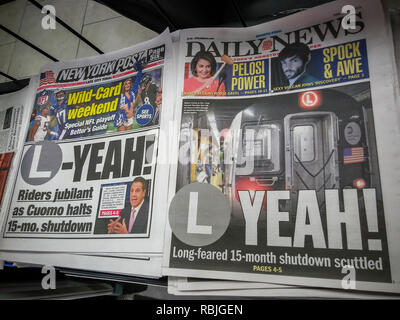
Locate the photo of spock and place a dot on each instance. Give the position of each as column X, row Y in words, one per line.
column 294, row 59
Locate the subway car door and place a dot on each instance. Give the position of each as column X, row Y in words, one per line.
column 311, row 153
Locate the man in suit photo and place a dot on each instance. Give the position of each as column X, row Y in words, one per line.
column 294, row 59
column 134, row 217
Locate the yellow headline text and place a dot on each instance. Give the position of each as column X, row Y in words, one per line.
column 86, row 96
column 248, row 76
column 92, row 110
column 349, row 60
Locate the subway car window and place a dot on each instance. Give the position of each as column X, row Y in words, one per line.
column 262, row 142
column 304, row 145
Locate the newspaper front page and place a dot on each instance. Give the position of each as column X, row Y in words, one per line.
column 13, row 119
column 287, row 165
column 91, row 177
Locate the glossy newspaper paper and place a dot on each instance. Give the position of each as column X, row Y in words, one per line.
column 286, row 162
column 90, row 178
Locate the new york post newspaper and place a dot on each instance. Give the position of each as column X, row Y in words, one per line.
column 90, row 168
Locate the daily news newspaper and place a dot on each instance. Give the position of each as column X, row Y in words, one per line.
column 287, row 166
column 90, row 179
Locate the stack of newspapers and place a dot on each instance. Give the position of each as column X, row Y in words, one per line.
column 248, row 162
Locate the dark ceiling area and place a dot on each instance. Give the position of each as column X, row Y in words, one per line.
column 157, row 15
column 4, row 1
